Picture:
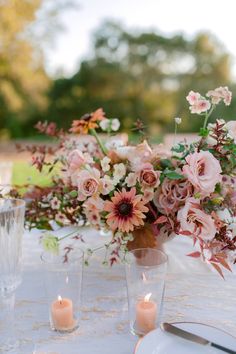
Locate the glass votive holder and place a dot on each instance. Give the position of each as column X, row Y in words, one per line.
column 145, row 275
column 63, row 283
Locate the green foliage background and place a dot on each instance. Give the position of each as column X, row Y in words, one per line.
column 131, row 74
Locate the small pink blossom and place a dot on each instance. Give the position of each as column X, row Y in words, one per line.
column 107, row 185
column 203, row 170
column 131, row 179
column 88, row 183
column 220, row 93
column 193, row 97
column 94, row 203
column 194, row 220
column 75, row 160
column 200, row 106
column 61, row 219
column 148, row 195
column 55, row 203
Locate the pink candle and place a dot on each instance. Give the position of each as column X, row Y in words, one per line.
column 62, row 314
column 146, row 314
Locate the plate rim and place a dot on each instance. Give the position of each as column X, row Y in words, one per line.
column 179, row 322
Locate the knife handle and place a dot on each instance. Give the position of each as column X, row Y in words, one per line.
column 226, row 350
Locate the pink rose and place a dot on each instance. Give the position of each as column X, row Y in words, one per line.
column 149, row 177
column 172, row 194
column 231, row 126
column 88, row 183
column 75, row 160
column 203, row 170
column 193, row 219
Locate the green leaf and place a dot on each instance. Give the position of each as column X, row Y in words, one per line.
column 178, row 148
column 204, row 132
column 173, row 175
column 73, row 194
column 166, row 163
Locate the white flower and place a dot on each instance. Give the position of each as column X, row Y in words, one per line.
column 104, row 124
column 131, row 179
column 55, row 203
column 178, row 120
column 114, row 143
column 105, row 163
column 119, row 172
column 107, row 185
column 115, row 124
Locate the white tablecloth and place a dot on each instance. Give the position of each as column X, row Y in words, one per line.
column 193, row 293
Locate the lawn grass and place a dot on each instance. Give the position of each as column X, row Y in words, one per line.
column 24, row 173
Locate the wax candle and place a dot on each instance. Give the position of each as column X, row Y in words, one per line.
column 62, row 314
column 146, row 313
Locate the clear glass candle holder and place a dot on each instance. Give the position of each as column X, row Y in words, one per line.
column 63, row 283
column 145, row 275
column 12, row 213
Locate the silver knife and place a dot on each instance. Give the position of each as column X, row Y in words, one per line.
column 192, row 337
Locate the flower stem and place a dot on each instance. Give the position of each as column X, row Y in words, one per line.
column 175, row 133
column 205, row 121
column 103, row 148
column 71, row 233
column 207, row 116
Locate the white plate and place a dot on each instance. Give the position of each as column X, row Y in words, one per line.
column 159, row 342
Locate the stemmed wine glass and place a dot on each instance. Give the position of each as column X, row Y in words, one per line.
column 12, row 213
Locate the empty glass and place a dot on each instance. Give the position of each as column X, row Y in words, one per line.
column 145, row 275
column 12, row 213
column 11, row 231
column 5, row 176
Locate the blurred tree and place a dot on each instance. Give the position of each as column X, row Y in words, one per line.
column 141, row 75
column 23, row 80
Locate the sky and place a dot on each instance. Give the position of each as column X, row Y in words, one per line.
column 167, row 16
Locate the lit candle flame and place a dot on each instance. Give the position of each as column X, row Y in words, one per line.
column 147, row 297
column 59, row 298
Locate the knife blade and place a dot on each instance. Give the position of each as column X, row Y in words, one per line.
column 167, row 327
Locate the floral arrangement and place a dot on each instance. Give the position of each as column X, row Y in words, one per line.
column 143, row 194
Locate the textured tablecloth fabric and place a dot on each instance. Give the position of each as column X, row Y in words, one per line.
column 193, row 293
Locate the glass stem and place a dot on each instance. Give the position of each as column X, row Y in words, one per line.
column 7, row 330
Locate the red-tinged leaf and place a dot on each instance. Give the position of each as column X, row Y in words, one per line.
column 224, row 264
column 218, row 269
column 162, row 219
column 194, row 254
column 185, row 233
